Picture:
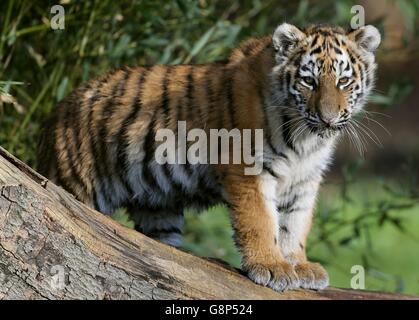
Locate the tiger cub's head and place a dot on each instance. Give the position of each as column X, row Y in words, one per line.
column 324, row 73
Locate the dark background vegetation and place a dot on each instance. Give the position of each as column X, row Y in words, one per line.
column 368, row 210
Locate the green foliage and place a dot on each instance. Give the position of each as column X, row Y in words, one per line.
column 397, row 91
column 410, row 11
column 210, row 234
column 121, row 215
column 371, row 223
column 103, row 35
column 40, row 66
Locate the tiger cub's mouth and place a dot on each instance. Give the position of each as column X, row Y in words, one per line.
column 326, row 130
column 317, row 125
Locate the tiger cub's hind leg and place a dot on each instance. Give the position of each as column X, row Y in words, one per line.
column 162, row 225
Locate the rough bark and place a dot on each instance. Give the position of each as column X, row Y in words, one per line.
column 54, row 247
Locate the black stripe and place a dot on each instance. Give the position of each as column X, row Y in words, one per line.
column 284, row 228
column 288, row 80
column 210, row 193
column 177, row 186
column 314, row 42
column 267, row 127
column 165, row 101
column 340, row 66
column 72, row 159
column 354, row 75
column 190, row 92
column 188, row 169
column 362, row 75
column 62, row 181
column 191, row 106
column 288, row 206
column 305, row 68
column 121, row 137
column 95, row 203
column 158, row 232
column 76, row 112
column 171, row 229
column 183, row 117
column 337, row 50
column 267, row 168
column 335, row 42
column 297, row 61
column 367, row 77
column 229, row 78
column 149, row 152
column 316, row 50
column 286, row 132
column 214, row 100
column 149, row 142
column 351, row 56
column 348, row 67
column 78, row 135
column 96, row 96
column 100, row 150
column 209, row 94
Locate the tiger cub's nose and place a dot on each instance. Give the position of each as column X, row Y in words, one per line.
column 329, row 118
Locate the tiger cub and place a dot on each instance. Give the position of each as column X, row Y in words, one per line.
column 300, row 86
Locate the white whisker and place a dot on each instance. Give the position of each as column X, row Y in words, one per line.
column 358, row 140
column 379, row 123
column 365, row 129
column 290, row 122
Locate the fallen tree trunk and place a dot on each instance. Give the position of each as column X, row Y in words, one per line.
column 54, row 247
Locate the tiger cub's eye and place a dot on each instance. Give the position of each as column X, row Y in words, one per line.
column 343, row 80
column 308, row 80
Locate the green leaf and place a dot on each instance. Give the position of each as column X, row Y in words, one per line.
column 123, row 218
column 200, row 44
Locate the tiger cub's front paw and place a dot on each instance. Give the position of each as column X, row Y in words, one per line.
column 279, row 276
column 312, row 275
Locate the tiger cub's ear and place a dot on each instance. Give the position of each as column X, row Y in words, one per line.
column 285, row 38
column 367, row 38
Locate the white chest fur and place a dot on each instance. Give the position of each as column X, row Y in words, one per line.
column 290, row 187
column 308, row 161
